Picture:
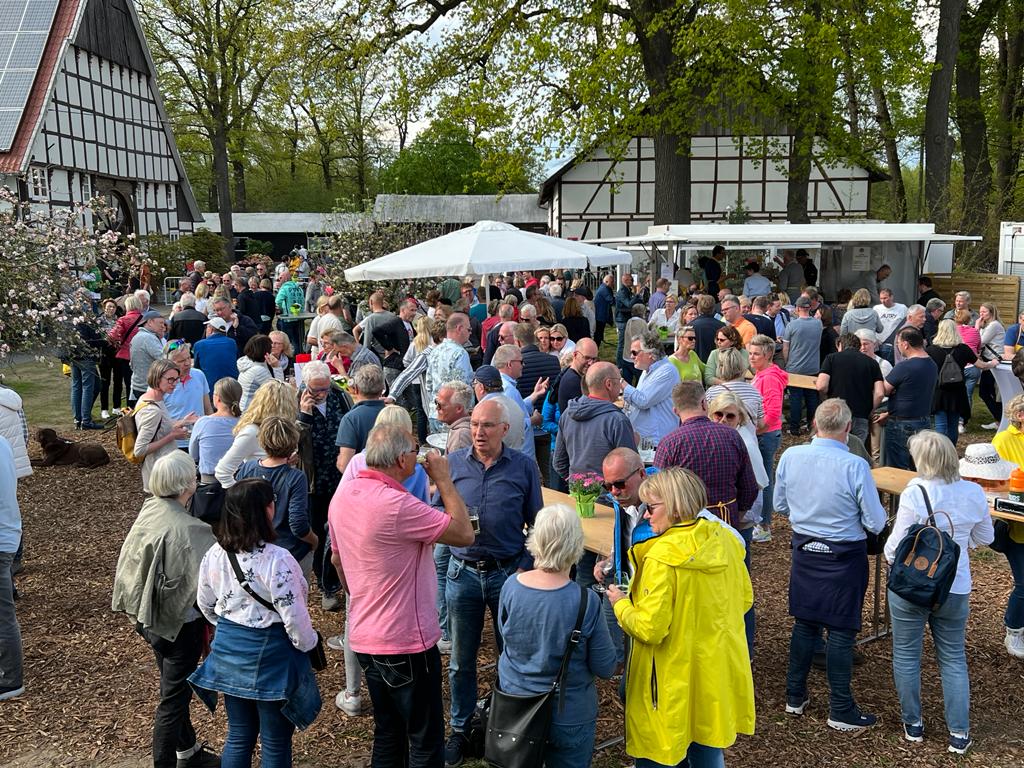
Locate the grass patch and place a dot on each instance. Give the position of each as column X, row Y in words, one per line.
column 46, row 394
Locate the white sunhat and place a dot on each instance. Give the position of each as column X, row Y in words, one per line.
column 982, row 462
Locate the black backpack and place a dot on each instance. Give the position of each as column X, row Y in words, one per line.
column 926, row 561
column 950, row 372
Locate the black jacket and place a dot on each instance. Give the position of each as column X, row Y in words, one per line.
column 537, row 365
column 188, row 324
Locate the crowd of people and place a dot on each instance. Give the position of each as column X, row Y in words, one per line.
column 314, row 445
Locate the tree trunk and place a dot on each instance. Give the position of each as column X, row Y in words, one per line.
column 936, row 116
column 892, row 155
column 799, row 174
column 1007, row 142
column 238, row 174
column 325, row 164
column 970, row 118
column 219, row 142
column 671, row 179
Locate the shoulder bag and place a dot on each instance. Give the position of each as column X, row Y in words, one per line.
column 317, row 656
column 926, row 561
column 518, row 726
column 207, row 503
column 950, row 372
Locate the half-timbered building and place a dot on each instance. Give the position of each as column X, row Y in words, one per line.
column 81, row 116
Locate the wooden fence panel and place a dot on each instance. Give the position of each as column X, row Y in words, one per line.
column 1001, row 290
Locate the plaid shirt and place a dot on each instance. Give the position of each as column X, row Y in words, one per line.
column 717, row 455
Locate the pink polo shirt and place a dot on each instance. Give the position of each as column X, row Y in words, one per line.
column 384, row 536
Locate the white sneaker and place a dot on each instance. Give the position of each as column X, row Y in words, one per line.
column 962, row 428
column 105, row 414
column 349, row 704
column 335, row 642
column 444, row 646
column 1014, row 642
column 761, row 535
column 991, row 425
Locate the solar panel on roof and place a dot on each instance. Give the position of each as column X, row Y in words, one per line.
column 24, row 29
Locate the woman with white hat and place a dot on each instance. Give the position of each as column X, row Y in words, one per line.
column 1010, row 445
column 970, row 524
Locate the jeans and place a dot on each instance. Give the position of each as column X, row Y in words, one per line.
column 11, row 671
column 948, row 423
column 442, row 556
column 949, row 624
column 247, row 719
column 768, row 444
column 797, row 398
column 414, row 402
column 318, row 504
column 897, row 433
column 621, row 328
column 1014, row 617
column 408, row 715
column 599, row 327
column 585, row 578
column 838, row 664
column 570, row 746
column 987, row 392
column 971, row 376
column 330, row 583
column 172, row 726
column 84, row 383
column 544, row 455
column 749, row 618
column 122, row 380
column 697, row 756
column 469, row 593
column 859, row 427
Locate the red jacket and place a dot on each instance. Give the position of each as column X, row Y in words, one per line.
column 123, row 332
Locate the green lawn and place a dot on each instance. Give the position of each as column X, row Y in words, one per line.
column 45, row 392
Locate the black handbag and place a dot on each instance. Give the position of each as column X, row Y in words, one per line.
column 925, row 563
column 207, row 503
column 317, row 655
column 1002, row 541
column 518, row 726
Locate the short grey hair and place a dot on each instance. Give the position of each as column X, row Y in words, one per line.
column 934, row 456
column 556, row 541
column 369, row 380
column 866, row 334
column 528, row 310
column 913, row 309
column 933, row 304
column 832, row 416
column 462, row 393
column 385, row 445
column 504, row 354
column 344, row 337
column 187, row 300
column 503, row 413
column 650, row 342
column 143, row 296
column 172, row 475
column 730, row 364
column 219, row 300
column 965, row 295
column 315, row 369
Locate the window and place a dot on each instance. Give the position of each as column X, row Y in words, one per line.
column 39, row 186
column 170, row 196
column 86, row 187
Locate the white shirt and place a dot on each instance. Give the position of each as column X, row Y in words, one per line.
column 967, row 507
column 892, row 319
column 273, row 574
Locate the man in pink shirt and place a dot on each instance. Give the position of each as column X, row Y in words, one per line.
column 382, row 539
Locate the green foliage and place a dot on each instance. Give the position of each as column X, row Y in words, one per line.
column 256, row 247
column 173, row 255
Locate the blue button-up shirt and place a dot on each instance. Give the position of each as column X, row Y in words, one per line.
column 512, row 393
column 650, row 401
column 506, row 496
column 827, row 492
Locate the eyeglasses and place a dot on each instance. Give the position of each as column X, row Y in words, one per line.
column 172, row 379
column 619, row 485
column 516, row 360
column 589, row 358
column 725, row 415
column 175, row 345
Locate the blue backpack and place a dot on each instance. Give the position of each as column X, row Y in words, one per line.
column 926, row 562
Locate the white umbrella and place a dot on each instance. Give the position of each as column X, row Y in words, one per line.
column 486, row 248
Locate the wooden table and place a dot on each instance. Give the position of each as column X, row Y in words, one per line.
column 802, row 381
column 598, row 531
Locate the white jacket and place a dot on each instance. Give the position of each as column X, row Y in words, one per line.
column 14, row 427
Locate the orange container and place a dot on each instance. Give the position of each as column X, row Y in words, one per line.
column 1017, row 485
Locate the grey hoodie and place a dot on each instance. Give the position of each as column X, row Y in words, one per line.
column 587, row 431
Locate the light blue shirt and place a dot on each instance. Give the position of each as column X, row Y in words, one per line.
column 211, row 438
column 756, row 285
column 650, row 401
column 188, row 398
column 10, row 513
column 827, row 492
column 512, row 393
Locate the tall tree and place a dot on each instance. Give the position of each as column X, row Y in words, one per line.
column 937, row 141
column 221, row 54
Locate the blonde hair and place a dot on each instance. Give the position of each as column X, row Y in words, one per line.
column 201, row 290
column 680, row 490
column 947, row 335
column 230, row 393
column 1015, row 405
column 281, row 336
column 423, row 333
column 279, row 438
column 273, row 398
column 861, row 299
column 727, row 399
column 934, row 456
column 394, row 414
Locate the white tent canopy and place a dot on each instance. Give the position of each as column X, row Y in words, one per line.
column 486, row 248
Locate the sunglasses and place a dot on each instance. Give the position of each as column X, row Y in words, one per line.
column 725, row 416
column 557, row 338
column 722, row 340
column 688, row 338
column 619, row 485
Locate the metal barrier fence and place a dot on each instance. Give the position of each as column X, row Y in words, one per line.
column 170, row 286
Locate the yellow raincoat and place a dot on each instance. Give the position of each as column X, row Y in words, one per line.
column 688, row 673
column 1009, row 444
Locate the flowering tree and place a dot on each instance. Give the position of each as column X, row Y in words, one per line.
column 52, row 271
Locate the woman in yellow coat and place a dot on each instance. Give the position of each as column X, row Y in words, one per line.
column 1010, row 446
column 689, row 689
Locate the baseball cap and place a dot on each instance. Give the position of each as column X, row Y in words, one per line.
column 487, row 375
column 803, row 302
column 151, row 315
column 219, row 323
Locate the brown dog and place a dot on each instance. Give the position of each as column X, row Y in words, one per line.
column 59, row 452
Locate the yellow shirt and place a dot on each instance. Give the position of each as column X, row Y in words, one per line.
column 1009, row 444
